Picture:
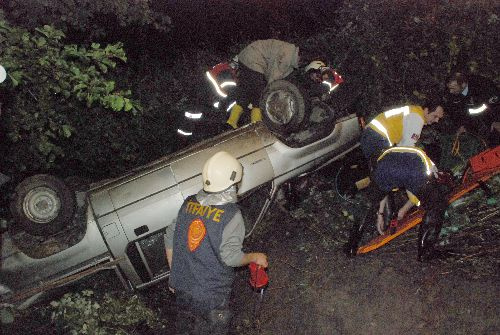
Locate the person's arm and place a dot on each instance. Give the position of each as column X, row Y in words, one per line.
column 169, row 246
column 412, row 127
column 403, row 210
column 232, row 242
column 169, row 242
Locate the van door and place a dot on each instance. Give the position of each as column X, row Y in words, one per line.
column 247, row 146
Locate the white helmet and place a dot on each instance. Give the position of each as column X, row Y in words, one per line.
column 220, row 172
column 314, row 65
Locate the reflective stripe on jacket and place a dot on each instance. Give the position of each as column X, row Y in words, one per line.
column 406, row 167
column 429, row 165
column 389, row 124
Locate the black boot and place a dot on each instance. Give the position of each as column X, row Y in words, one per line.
column 435, row 204
column 351, row 248
column 428, row 235
column 358, row 227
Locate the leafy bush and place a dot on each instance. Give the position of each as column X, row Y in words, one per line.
column 85, row 313
column 51, row 86
column 389, row 52
column 92, row 18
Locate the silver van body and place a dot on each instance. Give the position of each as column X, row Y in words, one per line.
column 125, row 217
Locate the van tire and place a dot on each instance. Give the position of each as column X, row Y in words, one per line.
column 283, row 107
column 43, row 205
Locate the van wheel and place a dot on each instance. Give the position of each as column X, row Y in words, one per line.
column 283, row 107
column 43, row 205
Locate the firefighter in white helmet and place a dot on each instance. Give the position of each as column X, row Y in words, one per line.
column 205, row 248
column 328, row 79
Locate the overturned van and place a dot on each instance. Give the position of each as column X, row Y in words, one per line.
column 118, row 224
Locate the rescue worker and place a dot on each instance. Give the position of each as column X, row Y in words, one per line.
column 409, row 168
column 474, row 104
column 224, row 79
column 206, row 246
column 258, row 64
column 322, row 79
column 397, row 127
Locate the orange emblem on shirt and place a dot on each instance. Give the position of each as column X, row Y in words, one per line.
column 196, row 234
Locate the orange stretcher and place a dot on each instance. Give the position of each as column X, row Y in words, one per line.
column 480, row 168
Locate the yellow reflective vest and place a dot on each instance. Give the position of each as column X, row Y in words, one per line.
column 389, row 124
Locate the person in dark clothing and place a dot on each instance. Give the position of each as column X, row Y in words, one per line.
column 204, row 248
column 411, row 169
column 400, row 126
column 473, row 102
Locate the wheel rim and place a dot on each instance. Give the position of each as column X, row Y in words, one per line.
column 41, row 205
column 280, row 107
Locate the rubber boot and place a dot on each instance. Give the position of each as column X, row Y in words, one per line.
column 435, row 205
column 428, row 234
column 255, row 115
column 391, row 214
column 351, row 248
column 235, row 115
column 358, row 227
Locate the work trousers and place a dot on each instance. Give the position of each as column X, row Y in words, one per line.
column 194, row 318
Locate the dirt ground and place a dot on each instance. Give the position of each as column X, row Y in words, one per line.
column 316, row 289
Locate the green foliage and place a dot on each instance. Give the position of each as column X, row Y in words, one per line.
column 84, row 313
column 388, row 51
column 51, row 85
column 90, row 17
column 456, row 152
column 6, row 315
column 108, row 144
column 393, row 52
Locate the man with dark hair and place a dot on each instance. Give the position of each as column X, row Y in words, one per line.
column 397, row 127
column 400, row 126
column 473, row 102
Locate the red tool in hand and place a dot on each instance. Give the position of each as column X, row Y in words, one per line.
column 393, row 226
column 258, row 281
column 258, row 276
